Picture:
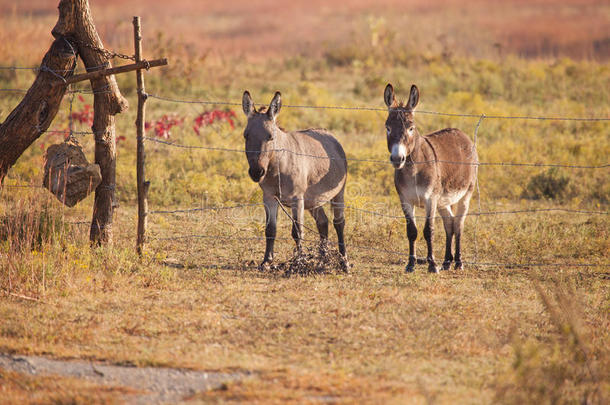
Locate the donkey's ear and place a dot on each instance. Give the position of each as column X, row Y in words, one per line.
column 275, row 105
column 413, row 98
column 388, row 96
column 247, row 104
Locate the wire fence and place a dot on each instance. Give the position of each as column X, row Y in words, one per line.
column 376, row 213
column 480, row 213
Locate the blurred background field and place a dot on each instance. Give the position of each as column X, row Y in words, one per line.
column 504, row 58
column 539, row 28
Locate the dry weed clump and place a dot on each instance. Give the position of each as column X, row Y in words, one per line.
column 311, row 262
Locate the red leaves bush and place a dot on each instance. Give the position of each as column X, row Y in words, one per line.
column 84, row 116
column 163, row 125
column 209, row 117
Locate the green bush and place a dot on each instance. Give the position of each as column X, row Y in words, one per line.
column 550, row 184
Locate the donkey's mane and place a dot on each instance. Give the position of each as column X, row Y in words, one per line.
column 401, row 104
column 263, row 110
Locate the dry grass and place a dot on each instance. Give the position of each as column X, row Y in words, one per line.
column 373, row 335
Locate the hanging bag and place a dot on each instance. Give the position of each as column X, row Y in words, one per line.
column 68, row 174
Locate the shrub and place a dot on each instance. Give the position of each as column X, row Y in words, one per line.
column 550, row 184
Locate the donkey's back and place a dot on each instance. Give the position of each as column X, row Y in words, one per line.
column 456, row 161
column 316, row 165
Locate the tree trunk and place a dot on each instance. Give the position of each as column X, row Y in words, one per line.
column 32, row 117
column 75, row 21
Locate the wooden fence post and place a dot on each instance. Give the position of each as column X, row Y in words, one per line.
column 76, row 22
column 141, row 156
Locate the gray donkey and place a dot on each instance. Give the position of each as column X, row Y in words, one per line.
column 301, row 169
column 437, row 170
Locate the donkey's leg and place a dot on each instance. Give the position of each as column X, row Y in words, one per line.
column 321, row 219
column 458, row 226
column 411, row 235
column 429, row 233
column 448, row 219
column 298, row 218
column 271, row 206
column 338, row 206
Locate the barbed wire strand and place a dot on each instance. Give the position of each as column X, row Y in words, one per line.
column 380, row 214
column 356, row 108
column 103, row 90
column 353, row 208
column 106, row 53
column 384, row 162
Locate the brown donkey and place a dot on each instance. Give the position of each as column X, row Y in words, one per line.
column 302, row 169
column 437, row 170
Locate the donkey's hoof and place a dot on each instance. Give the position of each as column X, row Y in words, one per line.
column 345, row 266
column 433, row 268
column 446, row 264
column 411, row 264
column 264, row 266
column 458, row 266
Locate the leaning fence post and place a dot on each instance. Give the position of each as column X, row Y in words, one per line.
column 140, row 174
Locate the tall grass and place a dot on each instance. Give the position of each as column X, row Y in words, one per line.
column 571, row 366
column 26, row 235
column 40, row 251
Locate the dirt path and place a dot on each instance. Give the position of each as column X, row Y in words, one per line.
column 158, row 385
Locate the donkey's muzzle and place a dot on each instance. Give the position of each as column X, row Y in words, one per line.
column 256, row 173
column 397, row 161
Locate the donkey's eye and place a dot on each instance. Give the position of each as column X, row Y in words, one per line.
column 410, row 130
column 246, row 135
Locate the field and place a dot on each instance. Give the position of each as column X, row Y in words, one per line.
column 527, row 320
